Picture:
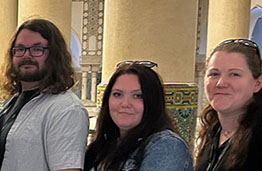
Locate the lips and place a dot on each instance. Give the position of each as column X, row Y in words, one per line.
column 27, row 65
column 125, row 113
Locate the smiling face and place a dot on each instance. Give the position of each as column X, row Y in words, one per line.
column 125, row 102
column 229, row 84
column 28, row 68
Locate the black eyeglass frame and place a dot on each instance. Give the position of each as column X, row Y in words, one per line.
column 13, row 50
column 148, row 64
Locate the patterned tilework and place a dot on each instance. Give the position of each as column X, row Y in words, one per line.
column 181, row 101
column 99, row 95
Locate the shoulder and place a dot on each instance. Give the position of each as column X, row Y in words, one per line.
column 166, row 136
column 166, row 151
column 65, row 100
column 169, row 143
column 60, row 105
column 67, row 96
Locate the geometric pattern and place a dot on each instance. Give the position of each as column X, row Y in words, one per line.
column 181, row 95
column 99, row 96
column 92, row 28
column 181, row 102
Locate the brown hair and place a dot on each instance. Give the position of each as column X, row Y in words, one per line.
column 209, row 120
column 60, row 74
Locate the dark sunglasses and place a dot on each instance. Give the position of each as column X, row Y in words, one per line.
column 244, row 42
column 148, row 64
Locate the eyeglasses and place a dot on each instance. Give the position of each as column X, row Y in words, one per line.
column 244, row 42
column 34, row 51
column 148, row 64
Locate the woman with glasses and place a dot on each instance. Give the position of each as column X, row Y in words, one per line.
column 134, row 131
column 231, row 135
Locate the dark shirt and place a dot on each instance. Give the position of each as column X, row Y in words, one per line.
column 213, row 154
column 253, row 162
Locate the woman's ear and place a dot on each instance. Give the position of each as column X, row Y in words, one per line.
column 258, row 84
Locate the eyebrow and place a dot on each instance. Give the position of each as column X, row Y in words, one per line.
column 231, row 69
column 133, row 91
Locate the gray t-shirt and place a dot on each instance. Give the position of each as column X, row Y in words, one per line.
column 49, row 133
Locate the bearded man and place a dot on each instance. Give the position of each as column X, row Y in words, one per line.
column 43, row 124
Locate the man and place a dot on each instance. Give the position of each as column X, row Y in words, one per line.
column 43, row 125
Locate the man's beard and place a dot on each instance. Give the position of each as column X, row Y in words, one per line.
column 29, row 76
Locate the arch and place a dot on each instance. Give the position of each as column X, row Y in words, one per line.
column 75, row 48
column 255, row 26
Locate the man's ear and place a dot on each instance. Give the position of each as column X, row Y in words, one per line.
column 258, row 84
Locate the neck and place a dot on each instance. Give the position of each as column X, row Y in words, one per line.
column 122, row 133
column 229, row 124
column 29, row 85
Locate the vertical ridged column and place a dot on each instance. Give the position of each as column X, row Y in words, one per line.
column 227, row 19
column 58, row 11
column 84, row 84
column 162, row 31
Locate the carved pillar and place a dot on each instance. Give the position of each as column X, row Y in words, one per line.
column 84, row 84
column 92, row 38
column 94, row 69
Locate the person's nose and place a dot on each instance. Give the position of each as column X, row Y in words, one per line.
column 126, row 102
column 222, row 81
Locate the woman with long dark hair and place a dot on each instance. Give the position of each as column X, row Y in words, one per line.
column 230, row 138
column 134, row 131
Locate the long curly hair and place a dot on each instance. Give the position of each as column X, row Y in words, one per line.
column 60, row 73
column 251, row 119
column 105, row 149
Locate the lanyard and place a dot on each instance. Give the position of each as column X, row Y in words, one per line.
column 214, row 165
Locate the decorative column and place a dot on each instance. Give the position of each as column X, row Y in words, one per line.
column 59, row 12
column 94, row 70
column 84, row 82
column 227, row 19
column 8, row 22
column 159, row 31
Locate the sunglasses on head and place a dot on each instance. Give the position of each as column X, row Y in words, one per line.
column 148, row 64
column 245, row 42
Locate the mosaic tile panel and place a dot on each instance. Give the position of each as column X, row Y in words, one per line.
column 181, row 101
column 100, row 92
